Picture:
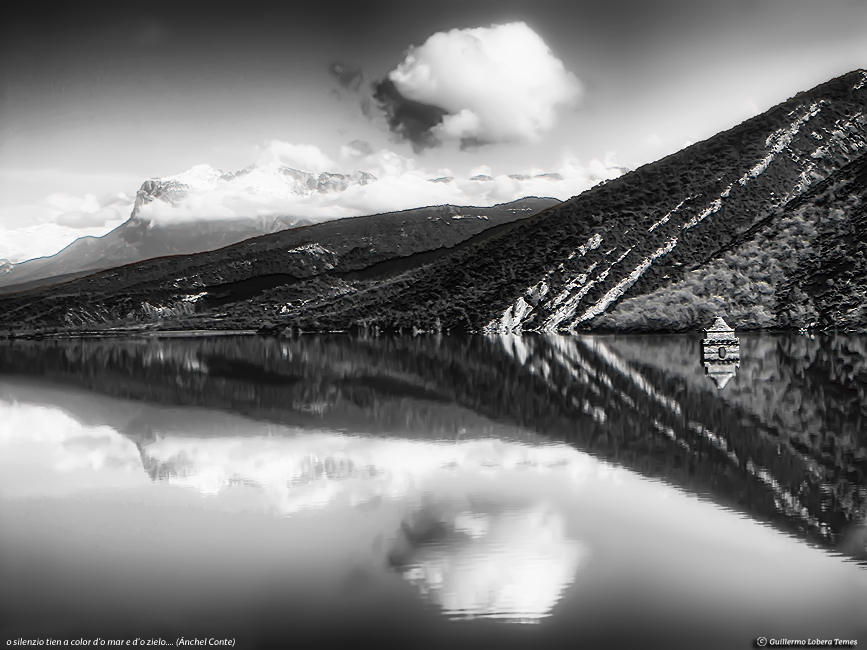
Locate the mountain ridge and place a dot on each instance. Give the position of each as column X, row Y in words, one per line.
column 141, row 238
column 149, row 233
column 683, row 209
column 179, row 282
column 565, row 268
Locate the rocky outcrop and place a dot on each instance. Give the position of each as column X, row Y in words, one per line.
column 170, row 192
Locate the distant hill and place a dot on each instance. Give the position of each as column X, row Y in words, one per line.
column 135, row 240
column 181, row 285
column 142, row 238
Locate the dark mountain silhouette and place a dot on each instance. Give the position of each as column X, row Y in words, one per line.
column 135, row 240
column 170, row 286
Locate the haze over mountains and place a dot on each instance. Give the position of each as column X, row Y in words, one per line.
column 204, row 209
column 791, row 179
column 148, row 234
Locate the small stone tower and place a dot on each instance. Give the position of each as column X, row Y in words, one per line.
column 720, row 353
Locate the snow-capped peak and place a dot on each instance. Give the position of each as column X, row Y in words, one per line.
column 198, row 178
column 260, row 185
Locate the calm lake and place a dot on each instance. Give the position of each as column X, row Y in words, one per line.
column 589, row 491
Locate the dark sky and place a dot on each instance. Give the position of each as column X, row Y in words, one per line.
column 204, row 75
column 97, row 97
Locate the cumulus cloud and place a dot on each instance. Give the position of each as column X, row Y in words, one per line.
column 408, row 468
column 411, row 120
column 355, row 150
column 367, row 181
column 83, row 212
column 511, row 565
column 476, row 86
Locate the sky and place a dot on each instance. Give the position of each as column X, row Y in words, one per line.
column 96, row 98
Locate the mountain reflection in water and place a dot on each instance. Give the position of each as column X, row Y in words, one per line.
column 472, row 463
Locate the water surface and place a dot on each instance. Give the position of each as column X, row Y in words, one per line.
column 436, row 491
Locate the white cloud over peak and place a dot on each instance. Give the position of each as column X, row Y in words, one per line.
column 498, row 84
column 264, row 190
column 399, row 184
column 81, row 212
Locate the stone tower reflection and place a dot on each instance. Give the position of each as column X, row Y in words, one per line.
column 720, row 353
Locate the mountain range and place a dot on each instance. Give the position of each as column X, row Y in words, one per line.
column 372, row 246
column 142, row 238
column 191, row 228
column 763, row 224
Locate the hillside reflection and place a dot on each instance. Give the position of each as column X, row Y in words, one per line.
column 785, row 442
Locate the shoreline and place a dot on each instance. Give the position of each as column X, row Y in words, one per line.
column 197, row 333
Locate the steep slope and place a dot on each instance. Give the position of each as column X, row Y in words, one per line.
column 806, row 268
column 566, row 266
column 183, row 285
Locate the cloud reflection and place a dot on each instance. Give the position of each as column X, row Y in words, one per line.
column 511, row 565
column 313, row 469
column 45, row 451
column 498, row 560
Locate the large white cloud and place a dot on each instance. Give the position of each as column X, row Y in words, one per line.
column 499, row 83
column 513, row 565
column 292, row 470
